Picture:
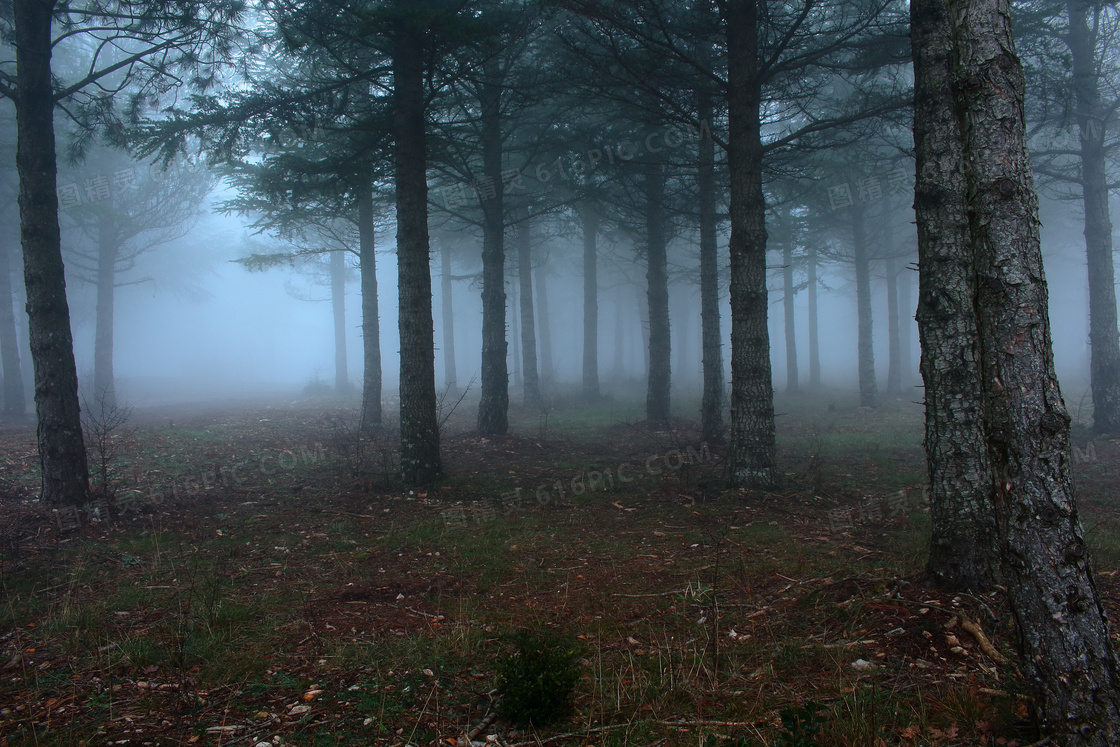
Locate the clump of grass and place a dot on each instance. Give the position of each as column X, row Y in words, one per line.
column 537, row 680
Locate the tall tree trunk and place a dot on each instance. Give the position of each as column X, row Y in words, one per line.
column 420, row 457
column 751, row 453
column 868, row 389
column 14, row 403
column 790, row 320
column 711, row 405
column 338, row 311
column 1104, row 339
column 545, row 326
column 643, row 323
column 657, row 294
column 963, row 551
column 493, row 407
column 108, row 246
column 618, row 370
column 62, row 454
column 590, row 220
column 1064, row 629
column 894, row 343
column 371, row 321
column 450, row 376
column 514, row 323
column 531, row 387
column 906, row 322
column 814, row 338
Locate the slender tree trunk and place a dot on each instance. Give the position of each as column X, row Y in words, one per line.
column 684, row 346
column 751, row 453
column 790, row 320
column 450, row 376
column 618, row 372
column 590, row 220
column 868, row 389
column 906, row 321
column 544, row 325
column 371, row 321
column 493, row 407
column 1064, row 628
column 894, row 342
column 711, row 406
column 1104, row 339
column 338, row 310
column 14, row 403
column 62, row 454
column 420, row 457
column 643, row 322
column 657, row 294
column 531, row 390
column 814, row 339
column 108, row 246
column 963, row 551
column 514, row 323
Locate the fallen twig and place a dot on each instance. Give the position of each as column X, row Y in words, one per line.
column 981, row 639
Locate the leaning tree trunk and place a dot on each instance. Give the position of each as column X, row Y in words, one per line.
column 751, row 453
column 62, row 454
column 963, row 552
column 493, row 407
column 657, row 295
column 108, row 246
column 530, row 386
column 868, row 390
column 1064, row 628
column 338, row 312
column 711, row 406
column 450, row 377
column 814, row 338
column 894, row 346
column 590, row 220
column 371, row 322
column 790, row 321
column 14, row 403
column 544, row 324
column 420, row 457
column 1104, row 339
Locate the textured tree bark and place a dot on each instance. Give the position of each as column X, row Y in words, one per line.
column 420, row 455
column 493, row 407
column 657, row 296
column 814, row 338
column 62, row 454
column 545, row 326
column 711, row 405
column 868, row 389
column 590, row 220
column 790, row 322
column 14, row 403
column 1064, row 629
column 894, row 342
column 338, row 312
column 371, row 315
column 108, row 246
column 531, row 386
column 751, row 452
column 450, row 376
column 963, row 551
column 1104, row 338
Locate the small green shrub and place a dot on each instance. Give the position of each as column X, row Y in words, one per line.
column 537, row 680
column 800, row 725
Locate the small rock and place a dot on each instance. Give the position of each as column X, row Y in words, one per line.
column 862, row 665
column 298, row 709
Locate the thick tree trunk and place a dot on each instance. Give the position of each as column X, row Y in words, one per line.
column 1104, row 339
column 545, row 327
column 963, row 551
column 868, row 389
column 14, row 402
column 104, row 385
column 338, row 312
column 531, row 386
column 751, row 453
column 1065, row 637
column 420, row 457
column 711, row 406
column 894, row 342
column 590, row 220
column 657, row 295
column 62, row 454
column 450, row 376
column 371, row 321
column 790, row 321
column 493, row 407
column 814, row 339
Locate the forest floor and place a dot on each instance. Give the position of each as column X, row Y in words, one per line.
column 259, row 579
